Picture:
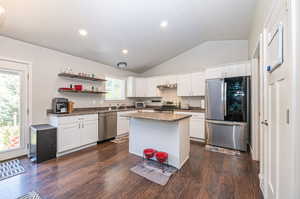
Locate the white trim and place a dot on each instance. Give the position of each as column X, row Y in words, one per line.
column 76, row 149
column 27, row 72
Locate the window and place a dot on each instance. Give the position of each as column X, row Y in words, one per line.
column 115, row 88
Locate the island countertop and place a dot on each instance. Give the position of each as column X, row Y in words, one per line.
column 168, row 117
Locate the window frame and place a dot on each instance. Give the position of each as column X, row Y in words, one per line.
column 123, row 87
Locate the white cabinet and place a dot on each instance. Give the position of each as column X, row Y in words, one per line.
column 136, row 87
column 141, row 87
column 184, row 85
column 130, row 87
column 169, row 79
column 152, row 90
column 235, row 70
column 68, row 137
column 198, row 84
column 191, row 85
column 88, row 132
column 123, row 123
column 75, row 131
column 197, row 125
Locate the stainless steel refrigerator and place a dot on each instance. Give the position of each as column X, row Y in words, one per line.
column 228, row 112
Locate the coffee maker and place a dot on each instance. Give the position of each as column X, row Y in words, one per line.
column 60, row 105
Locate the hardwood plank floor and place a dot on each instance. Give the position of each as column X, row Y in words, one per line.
column 103, row 172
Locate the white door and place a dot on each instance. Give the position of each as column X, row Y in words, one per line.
column 88, row 132
column 14, row 109
column 277, row 138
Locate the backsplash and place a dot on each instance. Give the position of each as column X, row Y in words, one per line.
column 171, row 95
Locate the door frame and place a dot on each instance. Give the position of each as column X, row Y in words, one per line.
column 27, row 116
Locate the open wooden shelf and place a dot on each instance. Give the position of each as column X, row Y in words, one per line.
column 86, row 92
column 80, row 77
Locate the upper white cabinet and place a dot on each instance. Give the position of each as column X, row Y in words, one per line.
column 141, row 87
column 152, row 90
column 191, row 85
column 236, row 70
column 137, row 87
column 184, row 85
column 130, row 87
column 198, row 84
column 187, row 84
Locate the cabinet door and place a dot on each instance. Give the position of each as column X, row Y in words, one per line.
column 68, row 137
column 152, row 90
column 89, row 132
column 198, row 84
column 130, row 87
column 197, row 128
column 141, row 87
column 184, row 86
column 123, row 125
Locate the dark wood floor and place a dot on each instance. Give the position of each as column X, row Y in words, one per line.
column 103, row 172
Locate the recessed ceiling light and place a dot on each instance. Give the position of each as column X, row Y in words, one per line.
column 125, row 51
column 2, row 10
column 164, row 24
column 82, row 32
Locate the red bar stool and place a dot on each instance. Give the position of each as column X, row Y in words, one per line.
column 161, row 158
column 149, row 153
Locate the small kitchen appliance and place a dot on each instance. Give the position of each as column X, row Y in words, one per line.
column 140, row 105
column 60, row 105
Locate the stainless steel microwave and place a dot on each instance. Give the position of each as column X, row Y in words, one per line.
column 140, row 105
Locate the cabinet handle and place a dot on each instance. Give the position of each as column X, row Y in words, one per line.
column 82, row 124
column 79, row 124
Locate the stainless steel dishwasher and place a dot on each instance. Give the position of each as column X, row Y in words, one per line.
column 107, row 126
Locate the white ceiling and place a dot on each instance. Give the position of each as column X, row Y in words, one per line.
column 114, row 25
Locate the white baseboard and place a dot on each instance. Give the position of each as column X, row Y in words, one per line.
column 197, row 139
column 261, row 184
column 76, row 149
column 253, row 155
column 122, row 135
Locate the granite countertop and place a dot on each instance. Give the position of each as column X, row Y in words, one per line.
column 168, row 117
column 96, row 110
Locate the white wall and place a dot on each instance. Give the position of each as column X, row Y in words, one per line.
column 46, row 64
column 207, row 54
column 262, row 10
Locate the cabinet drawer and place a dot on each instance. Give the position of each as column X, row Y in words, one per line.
column 67, row 120
column 91, row 117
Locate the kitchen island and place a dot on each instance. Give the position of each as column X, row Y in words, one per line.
column 166, row 132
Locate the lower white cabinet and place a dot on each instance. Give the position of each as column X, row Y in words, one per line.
column 123, row 123
column 197, row 125
column 75, row 131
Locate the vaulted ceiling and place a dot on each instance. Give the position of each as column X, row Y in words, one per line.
column 114, row 25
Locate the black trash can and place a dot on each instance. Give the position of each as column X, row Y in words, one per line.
column 43, row 142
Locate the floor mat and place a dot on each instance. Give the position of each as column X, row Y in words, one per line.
column 152, row 171
column 222, row 150
column 31, row 195
column 10, row 168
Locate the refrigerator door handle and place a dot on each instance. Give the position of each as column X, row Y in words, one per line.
column 225, row 98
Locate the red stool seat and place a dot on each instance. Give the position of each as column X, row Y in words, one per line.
column 161, row 156
column 149, row 153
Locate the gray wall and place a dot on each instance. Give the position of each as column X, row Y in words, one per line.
column 205, row 55
column 46, row 64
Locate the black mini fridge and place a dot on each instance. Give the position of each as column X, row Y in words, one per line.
column 42, row 143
